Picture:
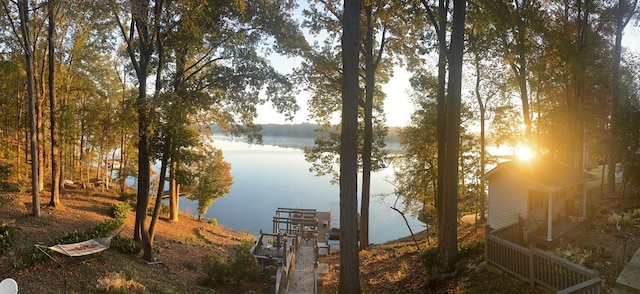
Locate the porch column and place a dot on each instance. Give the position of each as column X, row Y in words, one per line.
column 549, row 217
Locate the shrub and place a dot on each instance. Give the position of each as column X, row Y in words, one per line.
column 9, row 187
column 5, row 172
column 435, row 271
column 117, row 282
column 215, row 270
column 126, row 245
column 242, row 266
column 472, row 249
column 269, row 270
column 127, row 197
column 7, row 236
column 120, row 210
column 164, row 210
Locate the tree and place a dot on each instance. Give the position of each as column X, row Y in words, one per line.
column 27, row 48
column 490, row 81
column 220, row 71
column 210, row 51
column 624, row 14
column 145, row 21
column 417, row 168
column 349, row 261
column 516, row 23
column 449, row 102
column 321, row 70
column 447, row 219
column 53, row 110
column 213, row 180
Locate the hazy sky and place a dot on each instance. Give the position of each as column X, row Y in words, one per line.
column 398, row 106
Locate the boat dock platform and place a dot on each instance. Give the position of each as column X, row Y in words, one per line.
column 299, row 237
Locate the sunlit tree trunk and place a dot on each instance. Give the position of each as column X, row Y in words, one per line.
column 173, row 194
column 55, row 149
column 40, row 131
column 23, row 8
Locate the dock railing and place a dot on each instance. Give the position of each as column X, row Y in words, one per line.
column 538, row 266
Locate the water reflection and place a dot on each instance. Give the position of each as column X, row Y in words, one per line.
column 267, row 177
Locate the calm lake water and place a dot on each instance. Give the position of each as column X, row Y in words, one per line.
column 267, row 177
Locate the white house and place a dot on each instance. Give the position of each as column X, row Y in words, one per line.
column 549, row 197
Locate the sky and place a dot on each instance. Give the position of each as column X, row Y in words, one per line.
column 398, row 106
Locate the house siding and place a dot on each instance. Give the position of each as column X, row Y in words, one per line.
column 507, row 200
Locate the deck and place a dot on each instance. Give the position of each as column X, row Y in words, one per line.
column 558, row 231
column 303, row 276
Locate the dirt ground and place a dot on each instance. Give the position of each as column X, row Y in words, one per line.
column 179, row 247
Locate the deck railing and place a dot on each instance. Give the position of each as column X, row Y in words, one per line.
column 513, row 233
column 281, row 281
column 538, row 266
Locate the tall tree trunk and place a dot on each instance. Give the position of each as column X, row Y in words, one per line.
column 53, row 111
column 520, row 70
column 18, row 131
column 483, row 151
column 349, row 280
column 144, row 169
column 166, row 151
column 160, row 192
column 448, row 245
column 576, row 112
column 441, row 122
column 624, row 9
column 173, row 194
column 40, row 134
column 147, row 34
column 40, row 90
column 368, row 131
column 122, row 178
column 123, row 136
column 23, row 8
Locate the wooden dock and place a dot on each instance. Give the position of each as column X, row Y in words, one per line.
column 306, row 234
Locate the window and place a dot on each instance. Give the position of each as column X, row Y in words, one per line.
column 537, row 199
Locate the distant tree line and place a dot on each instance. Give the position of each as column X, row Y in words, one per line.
column 305, row 130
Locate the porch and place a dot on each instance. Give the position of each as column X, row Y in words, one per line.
column 559, row 229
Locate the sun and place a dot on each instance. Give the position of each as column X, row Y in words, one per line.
column 524, row 153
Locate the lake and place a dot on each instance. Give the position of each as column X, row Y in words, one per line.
column 267, row 177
